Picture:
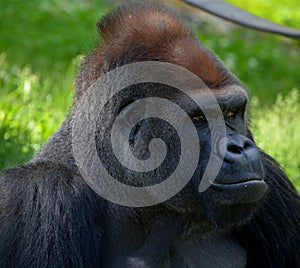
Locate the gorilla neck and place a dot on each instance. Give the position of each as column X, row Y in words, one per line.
column 58, row 148
column 150, row 238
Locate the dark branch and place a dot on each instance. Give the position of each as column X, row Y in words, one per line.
column 232, row 13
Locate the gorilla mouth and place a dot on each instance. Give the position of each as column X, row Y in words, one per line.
column 237, row 177
column 235, row 181
column 242, row 190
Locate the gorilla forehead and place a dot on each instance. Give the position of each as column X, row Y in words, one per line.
column 124, row 40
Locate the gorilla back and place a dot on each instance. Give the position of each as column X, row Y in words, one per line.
column 50, row 216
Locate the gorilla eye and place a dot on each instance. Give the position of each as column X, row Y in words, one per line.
column 198, row 118
column 230, row 114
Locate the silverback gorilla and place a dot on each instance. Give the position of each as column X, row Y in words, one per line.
column 249, row 217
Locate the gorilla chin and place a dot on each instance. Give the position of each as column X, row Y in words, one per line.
column 234, row 202
column 229, row 205
column 222, row 206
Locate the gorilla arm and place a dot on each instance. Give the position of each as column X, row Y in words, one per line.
column 48, row 218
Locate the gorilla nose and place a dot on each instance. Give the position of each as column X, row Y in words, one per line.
column 237, row 147
column 241, row 154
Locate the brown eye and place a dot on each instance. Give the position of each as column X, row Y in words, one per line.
column 198, row 118
column 230, row 114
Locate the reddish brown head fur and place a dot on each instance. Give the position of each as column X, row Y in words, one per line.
column 143, row 32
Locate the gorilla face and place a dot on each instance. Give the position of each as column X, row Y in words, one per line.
column 236, row 191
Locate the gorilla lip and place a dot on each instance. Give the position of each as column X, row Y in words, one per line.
column 238, row 181
column 234, row 178
column 249, row 190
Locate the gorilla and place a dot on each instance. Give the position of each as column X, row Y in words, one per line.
column 52, row 215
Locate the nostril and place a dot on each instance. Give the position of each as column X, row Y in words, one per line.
column 234, row 149
column 247, row 145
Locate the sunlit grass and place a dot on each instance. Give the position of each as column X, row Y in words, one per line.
column 277, row 130
column 30, row 109
column 284, row 11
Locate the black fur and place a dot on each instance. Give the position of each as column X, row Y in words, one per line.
column 272, row 236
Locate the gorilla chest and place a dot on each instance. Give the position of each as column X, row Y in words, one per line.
column 215, row 251
column 212, row 252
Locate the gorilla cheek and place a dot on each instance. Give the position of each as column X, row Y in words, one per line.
column 236, row 192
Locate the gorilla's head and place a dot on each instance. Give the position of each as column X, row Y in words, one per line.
column 235, row 176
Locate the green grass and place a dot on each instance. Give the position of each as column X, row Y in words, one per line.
column 42, row 43
column 278, row 131
column 40, row 48
column 30, row 109
column 48, row 34
column 284, row 11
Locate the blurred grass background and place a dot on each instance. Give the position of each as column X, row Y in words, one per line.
column 42, row 43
